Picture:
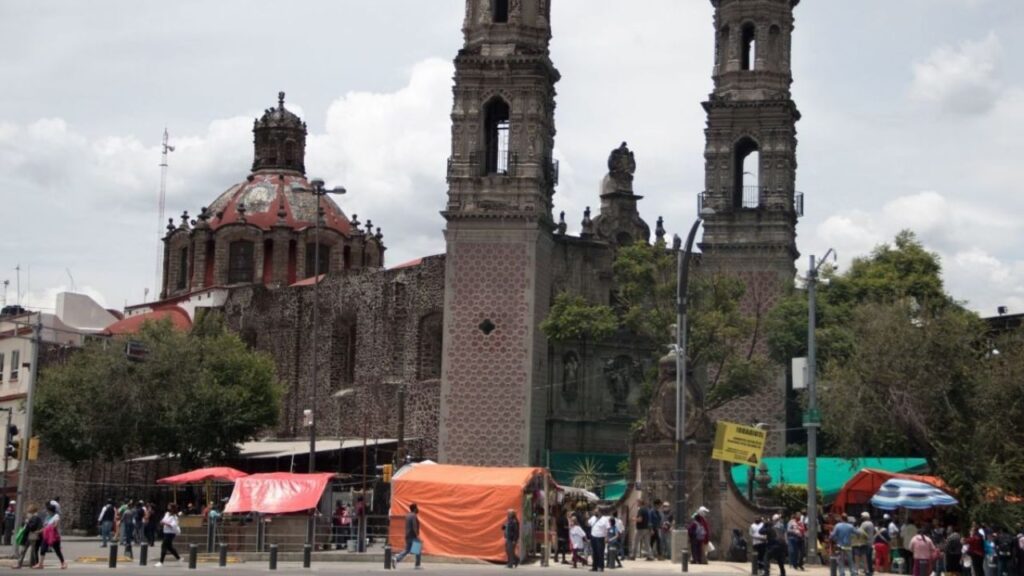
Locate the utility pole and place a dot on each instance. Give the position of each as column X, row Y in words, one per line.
column 812, row 420
column 37, row 342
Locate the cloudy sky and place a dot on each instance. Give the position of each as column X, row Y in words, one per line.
column 913, row 116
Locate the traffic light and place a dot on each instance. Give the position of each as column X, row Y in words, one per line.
column 14, row 449
column 13, row 445
column 386, row 471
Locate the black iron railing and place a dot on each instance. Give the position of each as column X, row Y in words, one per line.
column 752, row 198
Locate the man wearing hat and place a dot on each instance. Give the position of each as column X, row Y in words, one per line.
column 866, row 550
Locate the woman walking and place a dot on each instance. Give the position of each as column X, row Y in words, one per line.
column 30, row 536
column 51, row 537
column 170, row 530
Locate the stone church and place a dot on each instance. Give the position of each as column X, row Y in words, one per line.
column 454, row 338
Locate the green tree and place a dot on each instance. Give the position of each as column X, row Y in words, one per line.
column 194, row 394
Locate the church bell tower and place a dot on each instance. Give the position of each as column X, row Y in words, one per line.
column 749, row 203
column 501, row 179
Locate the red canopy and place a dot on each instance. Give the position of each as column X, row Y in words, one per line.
column 277, row 493
column 860, row 488
column 203, row 474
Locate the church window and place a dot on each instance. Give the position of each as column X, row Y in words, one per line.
column 430, row 343
column 311, row 259
column 15, row 364
column 497, row 126
column 240, row 262
column 749, row 40
column 346, row 257
column 500, row 11
column 182, row 269
column 746, row 163
column 343, row 356
column 289, row 152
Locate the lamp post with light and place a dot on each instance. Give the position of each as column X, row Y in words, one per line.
column 812, row 419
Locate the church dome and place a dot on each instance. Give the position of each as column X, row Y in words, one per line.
column 270, row 198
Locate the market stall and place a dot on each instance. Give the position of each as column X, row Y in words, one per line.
column 462, row 508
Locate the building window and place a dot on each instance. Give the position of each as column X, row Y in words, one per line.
column 15, row 364
column 1, row 367
column 500, row 11
column 311, row 255
column 746, row 166
column 183, row 269
column 749, row 46
column 496, row 119
column 240, row 262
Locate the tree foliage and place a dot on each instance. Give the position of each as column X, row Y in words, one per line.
column 906, row 370
column 722, row 338
column 196, row 395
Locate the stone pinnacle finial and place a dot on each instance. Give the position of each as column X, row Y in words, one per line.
column 587, row 229
column 355, row 221
column 561, row 223
column 659, row 230
column 280, row 100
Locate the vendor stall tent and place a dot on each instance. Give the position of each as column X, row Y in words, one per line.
column 833, row 473
column 866, row 483
column 277, row 493
column 462, row 508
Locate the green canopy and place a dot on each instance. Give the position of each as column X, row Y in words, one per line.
column 604, row 468
column 832, row 472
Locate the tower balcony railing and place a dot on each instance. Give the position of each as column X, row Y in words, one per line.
column 752, row 198
column 507, row 166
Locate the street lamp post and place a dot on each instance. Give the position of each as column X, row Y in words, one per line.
column 319, row 191
column 812, row 420
column 683, row 270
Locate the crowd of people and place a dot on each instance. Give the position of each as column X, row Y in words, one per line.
column 923, row 548
column 137, row 521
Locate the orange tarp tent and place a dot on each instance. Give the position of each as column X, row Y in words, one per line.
column 461, row 508
column 864, row 485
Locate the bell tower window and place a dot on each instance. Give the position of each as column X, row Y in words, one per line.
column 746, row 191
column 240, row 262
column 749, row 47
column 496, row 122
column 500, row 11
column 182, row 269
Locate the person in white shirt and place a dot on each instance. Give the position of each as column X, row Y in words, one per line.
column 598, row 535
column 577, row 537
column 758, row 541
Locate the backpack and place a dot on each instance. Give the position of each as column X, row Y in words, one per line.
column 1004, row 545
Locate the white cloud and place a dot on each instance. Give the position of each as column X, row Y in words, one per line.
column 960, row 79
column 979, row 260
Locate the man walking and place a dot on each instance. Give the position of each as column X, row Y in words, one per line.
column 758, row 540
column 643, row 532
column 106, row 522
column 511, row 531
column 128, row 519
column 412, row 536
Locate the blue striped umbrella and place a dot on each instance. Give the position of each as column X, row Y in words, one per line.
column 899, row 493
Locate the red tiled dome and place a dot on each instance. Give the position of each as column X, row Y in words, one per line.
column 275, row 198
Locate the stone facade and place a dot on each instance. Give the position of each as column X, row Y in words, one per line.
column 461, row 331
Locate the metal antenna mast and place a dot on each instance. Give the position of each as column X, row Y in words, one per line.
column 166, row 148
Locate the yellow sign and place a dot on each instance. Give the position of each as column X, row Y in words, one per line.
column 738, row 443
column 33, row 448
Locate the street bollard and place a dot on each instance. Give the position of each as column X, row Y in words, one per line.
column 387, row 556
column 833, row 566
column 222, row 560
column 686, row 560
column 113, row 556
column 307, row 556
column 143, row 554
column 193, row 554
column 273, row 556
column 753, row 565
